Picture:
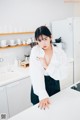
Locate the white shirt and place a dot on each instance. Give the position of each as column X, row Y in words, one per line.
column 57, row 69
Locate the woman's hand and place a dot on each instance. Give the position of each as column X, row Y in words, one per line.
column 43, row 62
column 43, row 104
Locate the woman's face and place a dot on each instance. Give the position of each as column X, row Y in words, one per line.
column 44, row 41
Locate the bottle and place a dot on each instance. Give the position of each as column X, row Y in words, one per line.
column 26, row 58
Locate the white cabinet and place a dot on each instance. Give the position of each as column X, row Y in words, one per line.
column 69, row 30
column 69, row 80
column 28, row 90
column 18, row 94
column 3, row 102
column 76, row 50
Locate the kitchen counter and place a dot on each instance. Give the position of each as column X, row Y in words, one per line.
column 65, row 105
column 13, row 74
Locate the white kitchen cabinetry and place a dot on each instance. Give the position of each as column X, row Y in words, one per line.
column 69, row 80
column 18, row 94
column 28, row 90
column 69, row 30
column 76, row 50
column 3, row 102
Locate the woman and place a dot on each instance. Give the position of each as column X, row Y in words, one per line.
column 47, row 68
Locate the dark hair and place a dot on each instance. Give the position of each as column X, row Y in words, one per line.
column 43, row 30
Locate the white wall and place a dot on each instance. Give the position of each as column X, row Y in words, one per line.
column 25, row 15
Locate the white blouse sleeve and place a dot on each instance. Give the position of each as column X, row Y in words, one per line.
column 58, row 67
column 37, row 76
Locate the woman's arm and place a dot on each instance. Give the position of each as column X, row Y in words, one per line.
column 37, row 76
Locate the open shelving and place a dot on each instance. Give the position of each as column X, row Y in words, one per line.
column 14, row 46
column 15, row 33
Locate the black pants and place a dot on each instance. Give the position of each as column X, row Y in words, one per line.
column 52, row 87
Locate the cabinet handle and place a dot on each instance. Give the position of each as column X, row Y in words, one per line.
column 13, row 84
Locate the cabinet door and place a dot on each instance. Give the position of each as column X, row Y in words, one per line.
column 69, row 80
column 28, row 89
column 77, row 70
column 76, row 50
column 3, row 102
column 17, row 96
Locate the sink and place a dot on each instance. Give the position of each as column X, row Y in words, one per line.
column 9, row 69
column 12, row 74
column 8, row 72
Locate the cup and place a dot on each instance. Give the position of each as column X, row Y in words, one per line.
column 11, row 42
column 3, row 43
column 18, row 41
column 23, row 42
column 29, row 40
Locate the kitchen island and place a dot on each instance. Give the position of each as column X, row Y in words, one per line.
column 15, row 83
column 65, row 105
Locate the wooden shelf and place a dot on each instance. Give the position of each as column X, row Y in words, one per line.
column 1, row 48
column 14, row 33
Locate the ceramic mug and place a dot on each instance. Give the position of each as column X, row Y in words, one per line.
column 18, row 41
column 11, row 42
column 3, row 43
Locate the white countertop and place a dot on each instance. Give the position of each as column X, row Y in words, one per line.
column 65, row 106
column 16, row 73
column 13, row 75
